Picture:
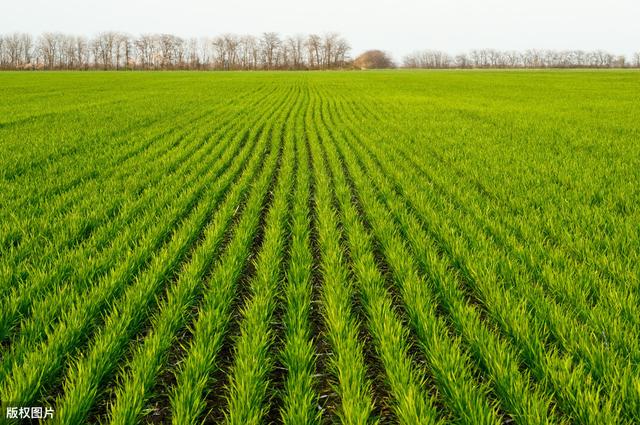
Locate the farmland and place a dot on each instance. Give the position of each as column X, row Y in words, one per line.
column 310, row 248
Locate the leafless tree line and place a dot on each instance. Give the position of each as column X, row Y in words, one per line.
column 120, row 51
column 491, row 58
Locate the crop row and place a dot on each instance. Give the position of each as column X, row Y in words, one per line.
column 318, row 248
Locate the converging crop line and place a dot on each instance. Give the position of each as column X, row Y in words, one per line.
column 346, row 361
column 185, row 296
column 101, row 269
column 188, row 397
column 320, row 248
column 222, row 374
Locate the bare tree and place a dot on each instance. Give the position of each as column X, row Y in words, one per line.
column 314, row 47
column 512, row 59
column 341, row 53
column 479, row 58
column 48, row 46
column 13, row 50
column 231, row 46
column 81, row 52
column 219, row 51
column 205, row 54
column 67, row 52
column 270, row 42
column 3, row 53
column 146, row 49
column 26, row 49
column 191, row 54
column 169, row 51
column 250, row 51
column 106, row 50
column 328, row 44
column 428, row 59
column 123, row 51
column 462, row 61
column 16, row 51
column 619, row 61
column 295, row 46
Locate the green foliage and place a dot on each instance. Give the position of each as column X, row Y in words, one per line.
column 306, row 248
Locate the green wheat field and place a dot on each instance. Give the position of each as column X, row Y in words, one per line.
column 314, row 248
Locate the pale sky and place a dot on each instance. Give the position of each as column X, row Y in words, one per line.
column 399, row 26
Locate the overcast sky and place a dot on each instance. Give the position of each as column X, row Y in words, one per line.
column 398, row 26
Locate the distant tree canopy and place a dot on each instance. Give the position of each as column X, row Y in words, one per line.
column 373, row 59
column 269, row 51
